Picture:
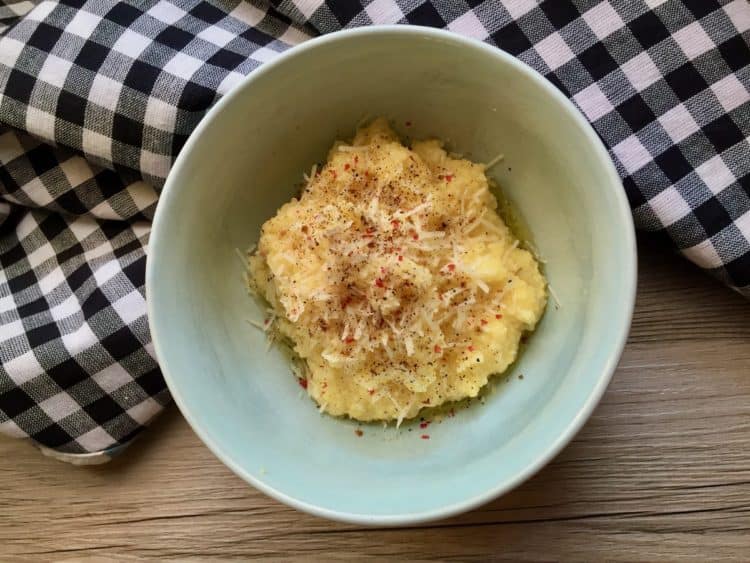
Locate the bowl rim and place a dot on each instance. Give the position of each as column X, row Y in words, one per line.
column 629, row 275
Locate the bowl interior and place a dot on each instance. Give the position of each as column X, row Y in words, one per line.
column 247, row 159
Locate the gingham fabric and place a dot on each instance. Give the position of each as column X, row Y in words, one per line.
column 97, row 98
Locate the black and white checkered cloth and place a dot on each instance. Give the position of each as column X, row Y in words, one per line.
column 97, row 97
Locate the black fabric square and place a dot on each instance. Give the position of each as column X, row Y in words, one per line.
column 51, row 226
column 178, row 141
column 123, row 14
column 53, row 436
column 735, row 52
column 175, row 38
column 686, row 81
column 673, row 163
column 426, row 15
column 152, row 382
column 70, row 253
column 113, row 228
column 700, row 8
column 12, row 255
column 103, row 409
column 19, row 86
column 41, row 335
column 127, row 248
column 142, row 77
column 79, row 276
column 648, row 29
column 22, row 281
column 208, row 13
column 36, row 306
column 91, row 56
column 71, row 107
column 256, row 36
column 127, row 130
column 7, row 181
column 344, row 10
column 597, row 61
column 121, row 343
column 42, row 159
column 723, row 133
column 712, row 216
column 633, row 192
column 73, row 3
column 739, row 270
column 69, row 202
column 226, row 59
column 473, row 3
column 136, row 272
column 44, row 37
column 68, row 373
column 511, row 38
column 744, row 183
column 560, row 12
column 636, row 112
column 15, row 401
column 94, row 303
column 195, row 97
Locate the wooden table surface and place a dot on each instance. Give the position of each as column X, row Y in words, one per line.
column 662, row 469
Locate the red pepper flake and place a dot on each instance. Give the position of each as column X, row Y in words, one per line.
column 379, row 282
column 484, row 322
column 413, row 234
column 333, row 172
column 346, row 166
column 302, row 383
column 358, row 432
column 408, row 123
column 371, row 391
column 349, row 340
column 382, row 270
column 470, row 348
column 438, row 349
column 425, row 436
column 498, row 316
column 448, row 177
column 424, row 424
column 452, row 267
column 395, row 223
column 400, row 258
column 356, row 159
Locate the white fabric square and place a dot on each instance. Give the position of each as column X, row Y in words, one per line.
column 155, row 164
column 632, row 154
column 142, row 194
column 669, row 206
column 739, row 12
column 112, row 377
column 654, row 3
column 307, row 7
column 183, row 66
column 55, row 70
column 96, row 144
column 59, row 406
column 641, row 71
column 7, row 303
column 40, row 123
column 106, row 272
column 79, row 340
column 68, row 307
column 250, row 15
column 82, row 227
column 10, row 147
column 230, row 80
column 730, row 92
column 160, row 114
column 703, row 255
column 554, row 51
column 264, row 54
column 144, row 411
column 26, row 226
column 95, row 439
column 105, row 92
column 384, row 11
column 693, row 40
column 166, row 12
column 469, row 25
column 43, row 10
column 83, row 24
column 51, row 281
column 603, row 19
column 21, row 8
column 593, row 102
column 216, row 35
column 9, row 51
column 743, row 224
column 678, row 123
column 76, row 170
column 40, row 255
column 102, row 248
column 10, row 428
column 517, row 8
column 37, row 192
column 293, row 36
column 131, row 44
column 104, row 210
column 130, row 307
column 23, row 368
column 715, row 174
column 11, row 329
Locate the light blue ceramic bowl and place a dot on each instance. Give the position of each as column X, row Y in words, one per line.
column 246, row 158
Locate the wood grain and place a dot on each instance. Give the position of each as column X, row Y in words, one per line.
column 662, row 470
